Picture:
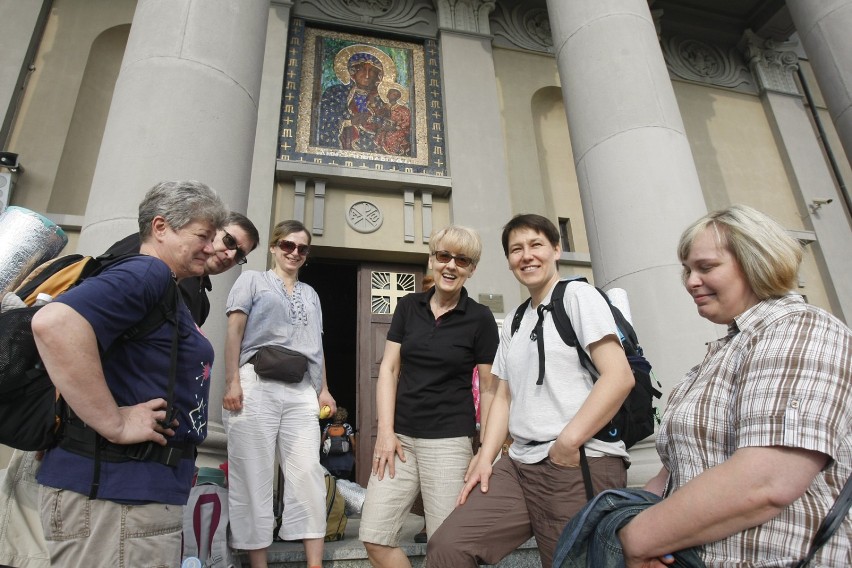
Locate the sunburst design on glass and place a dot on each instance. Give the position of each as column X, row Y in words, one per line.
column 386, row 288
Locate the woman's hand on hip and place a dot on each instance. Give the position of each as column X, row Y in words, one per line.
column 387, row 446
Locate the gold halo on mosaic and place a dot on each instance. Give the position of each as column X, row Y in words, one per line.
column 341, row 62
column 386, row 86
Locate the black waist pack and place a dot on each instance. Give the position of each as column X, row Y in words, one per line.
column 277, row 363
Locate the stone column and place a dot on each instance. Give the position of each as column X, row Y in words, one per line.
column 637, row 178
column 773, row 68
column 475, row 146
column 185, row 107
column 824, row 28
column 262, row 189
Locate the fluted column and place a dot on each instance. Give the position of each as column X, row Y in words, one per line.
column 185, row 107
column 638, row 181
column 824, row 28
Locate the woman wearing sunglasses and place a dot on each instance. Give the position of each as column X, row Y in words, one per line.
column 424, row 401
column 270, row 414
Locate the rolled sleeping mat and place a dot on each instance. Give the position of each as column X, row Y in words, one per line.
column 27, row 239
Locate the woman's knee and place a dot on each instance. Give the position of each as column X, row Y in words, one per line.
column 443, row 550
column 377, row 551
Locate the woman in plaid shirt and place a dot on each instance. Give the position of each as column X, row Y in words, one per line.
column 755, row 441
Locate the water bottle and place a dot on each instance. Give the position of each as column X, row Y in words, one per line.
column 42, row 299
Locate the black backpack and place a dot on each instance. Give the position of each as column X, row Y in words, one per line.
column 636, row 418
column 32, row 411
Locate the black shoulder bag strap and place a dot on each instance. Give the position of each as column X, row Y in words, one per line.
column 831, row 523
column 171, row 412
column 569, row 336
column 165, row 310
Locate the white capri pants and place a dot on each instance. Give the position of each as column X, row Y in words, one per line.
column 278, row 417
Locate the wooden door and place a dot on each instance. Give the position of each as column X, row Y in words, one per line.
column 380, row 286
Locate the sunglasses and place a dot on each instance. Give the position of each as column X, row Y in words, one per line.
column 290, row 246
column 445, row 257
column 231, row 244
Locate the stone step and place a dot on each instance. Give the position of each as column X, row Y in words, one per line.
column 350, row 553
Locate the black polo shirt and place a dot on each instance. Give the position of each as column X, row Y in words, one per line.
column 433, row 395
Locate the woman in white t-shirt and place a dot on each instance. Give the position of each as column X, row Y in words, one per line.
column 551, row 417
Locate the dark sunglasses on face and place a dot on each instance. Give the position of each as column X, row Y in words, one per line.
column 445, row 257
column 289, row 246
column 231, row 244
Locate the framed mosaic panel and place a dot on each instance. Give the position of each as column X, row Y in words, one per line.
column 365, row 102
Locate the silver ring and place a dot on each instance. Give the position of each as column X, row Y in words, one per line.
column 376, row 458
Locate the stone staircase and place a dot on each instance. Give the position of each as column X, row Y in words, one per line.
column 350, row 553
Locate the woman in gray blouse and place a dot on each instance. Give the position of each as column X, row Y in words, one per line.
column 265, row 415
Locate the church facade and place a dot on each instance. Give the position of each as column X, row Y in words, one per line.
column 377, row 121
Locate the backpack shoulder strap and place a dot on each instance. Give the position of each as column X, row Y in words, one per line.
column 560, row 316
column 164, row 311
column 519, row 315
column 558, row 292
column 566, row 330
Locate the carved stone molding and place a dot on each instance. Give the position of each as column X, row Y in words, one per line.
column 772, row 67
column 399, row 15
column 469, row 16
column 524, row 26
column 703, row 62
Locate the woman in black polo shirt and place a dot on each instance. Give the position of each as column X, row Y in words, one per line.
column 424, row 400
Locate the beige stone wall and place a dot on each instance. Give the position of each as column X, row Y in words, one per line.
column 59, row 124
column 541, row 166
column 738, row 161
column 385, row 244
column 735, row 152
column 542, row 177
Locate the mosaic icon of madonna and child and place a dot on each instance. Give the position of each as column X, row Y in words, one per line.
column 367, row 111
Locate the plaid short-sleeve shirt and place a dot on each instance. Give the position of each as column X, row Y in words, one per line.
column 781, row 377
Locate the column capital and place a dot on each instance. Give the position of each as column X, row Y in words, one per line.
column 470, row 16
column 771, row 65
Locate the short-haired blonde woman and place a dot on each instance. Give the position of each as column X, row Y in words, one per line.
column 756, row 441
column 264, row 416
column 424, row 401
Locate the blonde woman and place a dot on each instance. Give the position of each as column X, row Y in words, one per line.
column 756, row 441
column 424, row 401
